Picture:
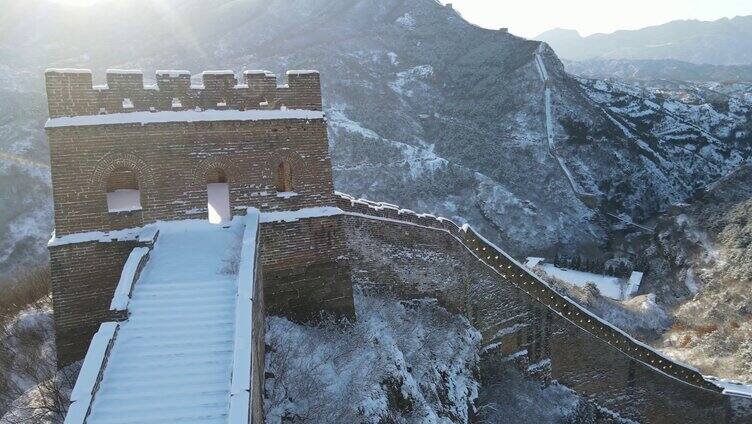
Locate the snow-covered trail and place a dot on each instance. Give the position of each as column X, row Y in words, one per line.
column 543, row 72
column 172, row 359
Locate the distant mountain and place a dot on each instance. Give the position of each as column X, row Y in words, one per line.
column 722, row 42
column 658, row 69
column 425, row 110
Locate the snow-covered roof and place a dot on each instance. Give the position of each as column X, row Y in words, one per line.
column 731, row 387
column 633, row 285
column 531, row 262
column 144, row 118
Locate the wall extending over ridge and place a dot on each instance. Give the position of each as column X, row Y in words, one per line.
column 517, row 312
column 70, row 92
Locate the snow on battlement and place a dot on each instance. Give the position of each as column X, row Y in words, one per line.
column 70, row 92
column 522, row 278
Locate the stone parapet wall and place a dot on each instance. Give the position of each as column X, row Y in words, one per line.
column 84, row 278
column 303, row 271
column 70, row 92
column 258, row 347
column 519, row 314
column 519, row 276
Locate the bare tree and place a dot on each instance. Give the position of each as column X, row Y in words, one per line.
column 32, row 389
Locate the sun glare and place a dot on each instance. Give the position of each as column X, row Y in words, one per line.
column 81, row 3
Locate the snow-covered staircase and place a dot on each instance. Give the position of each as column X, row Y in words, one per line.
column 172, row 359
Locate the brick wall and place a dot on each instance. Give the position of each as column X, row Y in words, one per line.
column 173, row 163
column 258, row 349
column 522, row 314
column 84, row 278
column 71, row 93
column 617, row 382
column 303, row 270
column 122, row 178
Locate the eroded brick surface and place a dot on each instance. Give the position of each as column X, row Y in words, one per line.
column 422, row 256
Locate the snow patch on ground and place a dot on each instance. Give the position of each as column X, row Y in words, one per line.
column 419, row 159
column 410, row 76
column 407, row 21
column 401, row 362
column 612, row 287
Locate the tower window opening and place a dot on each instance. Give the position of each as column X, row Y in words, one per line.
column 123, row 192
column 284, row 178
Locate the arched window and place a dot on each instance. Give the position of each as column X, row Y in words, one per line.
column 218, row 196
column 123, row 192
column 284, row 177
column 216, row 176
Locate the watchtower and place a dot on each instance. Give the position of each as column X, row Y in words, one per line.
column 125, row 155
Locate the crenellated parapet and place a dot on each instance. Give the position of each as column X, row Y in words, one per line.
column 533, row 286
column 70, row 92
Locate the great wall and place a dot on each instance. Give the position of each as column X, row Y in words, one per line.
column 291, row 245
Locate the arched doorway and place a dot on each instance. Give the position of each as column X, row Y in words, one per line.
column 283, row 181
column 218, row 196
column 123, row 191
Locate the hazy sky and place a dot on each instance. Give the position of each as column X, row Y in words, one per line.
column 529, row 18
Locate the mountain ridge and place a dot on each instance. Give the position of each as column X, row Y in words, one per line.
column 425, row 110
column 721, row 42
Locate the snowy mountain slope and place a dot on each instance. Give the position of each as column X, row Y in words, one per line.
column 25, row 196
column 722, row 42
column 403, row 361
column 687, row 136
column 425, row 110
column 699, row 267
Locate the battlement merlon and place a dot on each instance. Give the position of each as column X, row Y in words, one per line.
column 70, row 92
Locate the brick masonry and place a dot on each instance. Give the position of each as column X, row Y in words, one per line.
column 84, row 277
column 171, row 164
column 518, row 313
column 258, row 348
column 73, row 94
column 303, row 269
column 304, row 264
column 174, row 162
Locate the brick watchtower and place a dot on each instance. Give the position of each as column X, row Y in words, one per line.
column 125, row 155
